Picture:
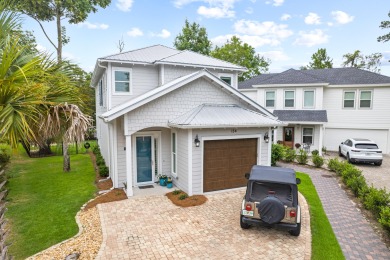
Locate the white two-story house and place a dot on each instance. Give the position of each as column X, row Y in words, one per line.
column 161, row 111
column 324, row 107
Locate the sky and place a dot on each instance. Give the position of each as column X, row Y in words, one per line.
column 287, row 32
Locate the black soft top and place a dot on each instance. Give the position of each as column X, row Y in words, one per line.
column 272, row 174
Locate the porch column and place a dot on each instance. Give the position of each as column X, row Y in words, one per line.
column 129, row 172
column 275, row 135
column 320, row 140
column 190, row 142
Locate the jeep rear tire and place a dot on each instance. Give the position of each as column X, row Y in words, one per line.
column 244, row 225
column 271, row 210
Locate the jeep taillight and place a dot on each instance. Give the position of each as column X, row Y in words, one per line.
column 293, row 213
column 248, row 207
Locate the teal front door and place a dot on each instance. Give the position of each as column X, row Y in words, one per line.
column 144, row 159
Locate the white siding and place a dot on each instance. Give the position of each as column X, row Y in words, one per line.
column 182, row 160
column 121, row 153
column 144, row 79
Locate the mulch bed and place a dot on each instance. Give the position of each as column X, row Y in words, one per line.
column 190, row 201
column 113, row 195
column 104, row 185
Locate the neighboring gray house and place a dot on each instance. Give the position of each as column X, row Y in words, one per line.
column 324, row 107
column 178, row 113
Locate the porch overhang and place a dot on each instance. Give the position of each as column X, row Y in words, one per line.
column 314, row 117
column 222, row 116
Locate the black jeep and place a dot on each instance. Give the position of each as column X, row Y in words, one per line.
column 271, row 199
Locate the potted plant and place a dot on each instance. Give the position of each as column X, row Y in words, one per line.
column 163, row 180
column 169, row 183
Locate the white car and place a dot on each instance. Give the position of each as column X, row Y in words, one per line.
column 361, row 150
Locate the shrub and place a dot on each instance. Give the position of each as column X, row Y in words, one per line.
column 349, row 172
column 317, row 160
column 302, row 157
column 324, row 150
column 337, row 166
column 315, row 152
column 176, row 192
column 297, row 145
column 183, row 196
column 277, row 153
column 4, row 157
column 289, row 154
column 384, row 217
column 358, row 185
column 375, row 199
column 103, row 171
column 96, row 150
column 100, row 160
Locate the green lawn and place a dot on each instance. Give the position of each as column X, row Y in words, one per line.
column 324, row 242
column 43, row 200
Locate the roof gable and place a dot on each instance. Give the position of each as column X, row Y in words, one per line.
column 173, row 85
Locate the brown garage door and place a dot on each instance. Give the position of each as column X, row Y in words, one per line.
column 226, row 162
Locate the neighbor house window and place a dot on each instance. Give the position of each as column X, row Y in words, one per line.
column 308, row 99
column 174, row 153
column 307, row 135
column 270, row 98
column 101, row 93
column 122, row 80
column 289, row 98
column 365, row 99
column 349, row 99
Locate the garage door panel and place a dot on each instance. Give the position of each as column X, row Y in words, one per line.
column 226, row 162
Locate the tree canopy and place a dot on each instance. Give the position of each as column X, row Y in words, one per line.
column 237, row 52
column 54, row 10
column 320, row 60
column 357, row 60
column 384, row 25
column 194, row 38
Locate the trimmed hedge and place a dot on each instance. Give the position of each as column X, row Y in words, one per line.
column 317, row 160
column 373, row 199
column 101, row 164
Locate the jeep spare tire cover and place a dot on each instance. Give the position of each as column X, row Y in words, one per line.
column 271, row 210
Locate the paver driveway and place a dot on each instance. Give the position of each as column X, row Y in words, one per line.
column 154, row 228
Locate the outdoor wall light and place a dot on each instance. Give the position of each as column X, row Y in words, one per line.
column 266, row 137
column 196, row 141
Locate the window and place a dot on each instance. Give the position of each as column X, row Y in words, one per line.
column 307, row 135
column 349, row 99
column 122, row 80
column 174, row 154
column 365, row 99
column 101, row 93
column 228, row 80
column 270, row 99
column 289, row 96
column 308, row 99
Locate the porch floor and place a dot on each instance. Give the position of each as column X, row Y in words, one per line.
column 156, row 190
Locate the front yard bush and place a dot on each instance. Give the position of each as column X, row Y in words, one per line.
column 384, row 217
column 302, row 157
column 277, row 153
column 317, row 160
column 315, row 152
column 103, row 171
column 375, row 199
column 358, row 185
column 289, row 155
column 350, row 172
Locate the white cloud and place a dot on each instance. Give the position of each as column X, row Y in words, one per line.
column 135, row 32
column 249, row 10
column 285, row 17
column 275, row 55
column 163, row 34
column 41, row 48
column 275, row 2
column 215, row 8
column 124, row 5
column 215, row 12
column 341, row 17
column 312, row 18
column 311, row 38
column 266, row 29
column 94, row 26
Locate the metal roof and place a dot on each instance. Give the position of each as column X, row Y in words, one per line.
column 221, row 116
column 334, row 76
column 301, row 115
column 160, row 54
column 272, row 174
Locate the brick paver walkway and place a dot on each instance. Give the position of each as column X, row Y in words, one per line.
column 355, row 235
column 153, row 228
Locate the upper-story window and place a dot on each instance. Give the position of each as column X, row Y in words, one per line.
column 270, row 99
column 349, row 99
column 228, row 78
column 122, row 80
column 289, row 98
column 101, row 92
column 308, row 99
column 365, row 99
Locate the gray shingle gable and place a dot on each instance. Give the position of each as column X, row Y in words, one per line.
column 301, row 115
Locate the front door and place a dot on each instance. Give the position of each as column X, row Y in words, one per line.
column 144, row 157
column 288, row 136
